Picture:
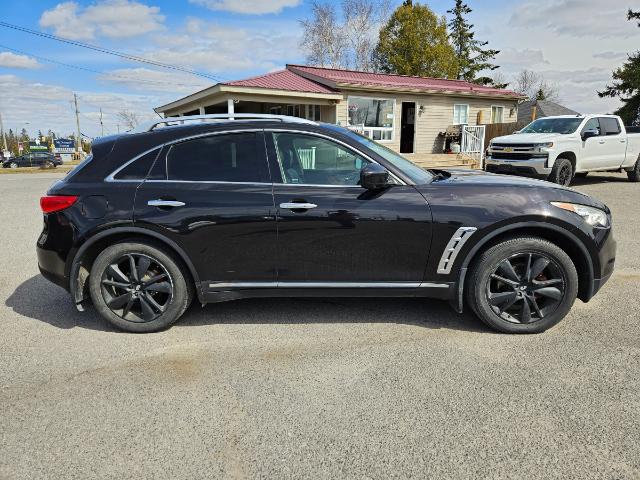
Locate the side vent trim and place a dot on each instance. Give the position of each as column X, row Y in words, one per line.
column 454, row 246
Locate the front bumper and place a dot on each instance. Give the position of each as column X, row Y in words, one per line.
column 534, row 166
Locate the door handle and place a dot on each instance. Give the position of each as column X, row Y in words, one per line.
column 623, row 141
column 600, row 141
column 298, row 206
column 165, row 203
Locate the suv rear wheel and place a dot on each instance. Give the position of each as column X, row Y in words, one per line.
column 139, row 287
column 522, row 285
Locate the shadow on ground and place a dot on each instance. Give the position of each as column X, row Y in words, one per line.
column 38, row 299
column 594, row 178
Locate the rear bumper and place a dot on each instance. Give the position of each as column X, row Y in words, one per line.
column 52, row 267
column 534, row 166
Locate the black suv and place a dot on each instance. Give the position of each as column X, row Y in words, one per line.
column 263, row 206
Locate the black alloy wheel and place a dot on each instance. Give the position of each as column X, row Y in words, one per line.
column 137, row 287
column 525, row 288
column 564, row 175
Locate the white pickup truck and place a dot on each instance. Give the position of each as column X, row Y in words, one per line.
column 559, row 148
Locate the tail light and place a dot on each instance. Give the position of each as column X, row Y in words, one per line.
column 55, row 203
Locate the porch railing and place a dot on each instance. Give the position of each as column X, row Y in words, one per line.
column 472, row 144
column 307, row 158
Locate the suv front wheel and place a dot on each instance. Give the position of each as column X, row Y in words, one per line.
column 138, row 287
column 522, row 285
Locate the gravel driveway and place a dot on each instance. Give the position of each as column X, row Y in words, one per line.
column 348, row 388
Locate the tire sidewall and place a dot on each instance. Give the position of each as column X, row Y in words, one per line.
column 488, row 263
column 558, row 166
column 180, row 299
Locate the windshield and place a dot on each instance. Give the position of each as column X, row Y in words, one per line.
column 553, row 125
column 411, row 170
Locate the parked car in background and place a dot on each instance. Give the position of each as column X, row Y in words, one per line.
column 562, row 147
column 35, row 159
column 270, row 206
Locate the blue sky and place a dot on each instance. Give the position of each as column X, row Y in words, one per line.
column 574, row 43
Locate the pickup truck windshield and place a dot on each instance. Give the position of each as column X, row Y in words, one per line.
column 411, row 170
column 553, row 125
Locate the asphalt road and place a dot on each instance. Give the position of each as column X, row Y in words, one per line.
column 340, row 388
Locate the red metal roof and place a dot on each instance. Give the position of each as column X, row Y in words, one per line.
column 282, row 80
column 381, row 80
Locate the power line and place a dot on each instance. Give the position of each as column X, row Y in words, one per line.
column 108, row 74
column 98, row 48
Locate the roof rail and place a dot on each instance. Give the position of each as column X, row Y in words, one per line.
column 149, row 126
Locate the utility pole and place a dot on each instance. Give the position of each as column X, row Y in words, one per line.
column 101, row 124
column 78, row 137
column 4, row 137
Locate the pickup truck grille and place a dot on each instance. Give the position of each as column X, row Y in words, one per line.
column 513, row 145
column 516, row 155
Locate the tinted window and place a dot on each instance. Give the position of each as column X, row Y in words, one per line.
column 593, row 124
column 316, row 161
column 610, row 126
column 237, row 157
column 138, row 169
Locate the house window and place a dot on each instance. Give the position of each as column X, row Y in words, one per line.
column 313, row 112
column 375, row 117
column 497, row 114
column 460, row 114
column 275, row 110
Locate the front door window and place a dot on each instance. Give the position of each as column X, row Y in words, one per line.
column 311, row 160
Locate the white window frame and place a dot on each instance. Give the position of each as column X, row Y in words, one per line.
column 454, row 113
column 308, row 112
column 368, row 131
column 501, row 107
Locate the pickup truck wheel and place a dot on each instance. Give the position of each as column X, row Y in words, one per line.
column 634, row 175
column 562, row 172
column 522, row 285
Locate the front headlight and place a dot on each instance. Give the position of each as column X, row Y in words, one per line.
column 593, row 216
column 543, row 146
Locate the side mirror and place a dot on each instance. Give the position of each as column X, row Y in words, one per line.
column 374, row 177
column 590, row 133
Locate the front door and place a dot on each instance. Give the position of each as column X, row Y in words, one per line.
column 332, row 232
column 212, row 196
column 593, row 151
column 407, row 127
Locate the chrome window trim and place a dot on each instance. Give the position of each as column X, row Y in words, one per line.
column 327, row 285
column 457, row 241
column 110, row 178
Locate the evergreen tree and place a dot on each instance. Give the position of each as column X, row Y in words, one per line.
column 472, row 56
column 626, row 84
column 415, row 42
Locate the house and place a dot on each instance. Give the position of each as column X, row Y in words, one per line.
column 408, row 114
column 534, row 109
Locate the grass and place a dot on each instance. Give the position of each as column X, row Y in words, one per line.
column 67, row 167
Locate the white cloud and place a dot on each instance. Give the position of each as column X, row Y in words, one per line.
column 609, row 55
column 578, row 18
column 147, row 80
column 109, row 18
column 511, row 59
column 12, row 60
column 48, row 106
column 252, row 7
column 212, row 47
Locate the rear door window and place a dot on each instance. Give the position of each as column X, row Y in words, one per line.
column 231, row 157
column 610, row 126
column 138, row 169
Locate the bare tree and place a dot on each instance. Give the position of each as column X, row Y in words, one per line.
column 362, row 22
column 535, row 86
column 323, row 39
column 129, row 119
column 346, row 40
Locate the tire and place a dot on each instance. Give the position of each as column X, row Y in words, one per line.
column 13, row 165
column 562, row 172
column 634, row 175
column 133, row 302
column 500, row 304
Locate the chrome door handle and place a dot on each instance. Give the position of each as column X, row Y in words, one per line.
column 623, row 141
column 165, row 203
column 298, row 206
column 601, row 141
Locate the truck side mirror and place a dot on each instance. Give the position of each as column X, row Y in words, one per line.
column 590, row 133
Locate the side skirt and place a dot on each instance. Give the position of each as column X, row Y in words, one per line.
column 222, row 292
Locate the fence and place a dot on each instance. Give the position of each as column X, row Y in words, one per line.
column 307, row 158
column 472, row 143
column 494, row 130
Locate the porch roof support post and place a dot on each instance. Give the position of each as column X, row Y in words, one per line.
column 201, row 110
column 230, row 107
